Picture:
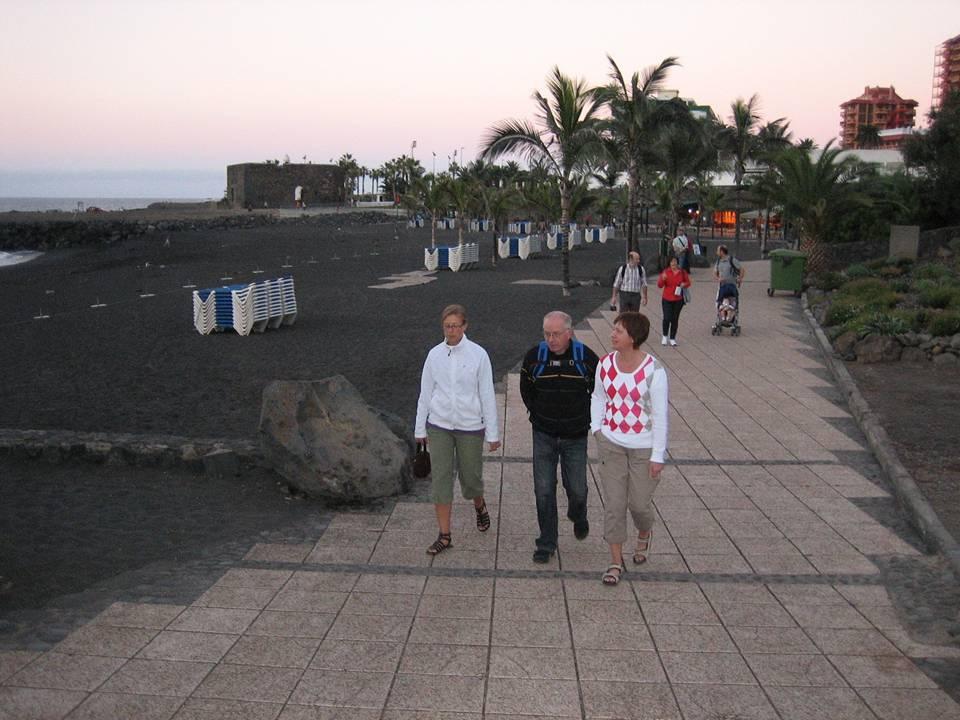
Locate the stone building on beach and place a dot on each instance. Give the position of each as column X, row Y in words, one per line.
column 274, row 185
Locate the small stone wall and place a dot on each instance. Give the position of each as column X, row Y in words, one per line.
column 51, row 234
column 56, row 446
column 909, row 347
column 842, row 255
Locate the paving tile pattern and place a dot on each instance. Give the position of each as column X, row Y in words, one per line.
column 761, row 600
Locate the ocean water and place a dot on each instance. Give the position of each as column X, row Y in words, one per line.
column 71, row 204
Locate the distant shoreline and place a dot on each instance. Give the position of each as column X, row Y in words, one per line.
column 71, row 204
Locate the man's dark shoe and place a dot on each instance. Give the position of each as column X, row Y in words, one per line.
column 542, row 557
column 581, row 529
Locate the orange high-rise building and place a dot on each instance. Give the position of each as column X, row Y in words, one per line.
column 946, row 70
column 880, row 107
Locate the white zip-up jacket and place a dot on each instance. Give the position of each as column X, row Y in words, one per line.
column 456, row 391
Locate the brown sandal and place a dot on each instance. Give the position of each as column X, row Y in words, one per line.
column 440, row 544
column 483, row 517
column 643, row 548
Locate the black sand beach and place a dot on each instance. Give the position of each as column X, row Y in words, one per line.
column 137, row 365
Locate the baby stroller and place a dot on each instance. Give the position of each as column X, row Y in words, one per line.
column 728, row 310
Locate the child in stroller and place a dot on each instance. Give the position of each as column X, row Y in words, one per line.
column 729, row 273
column 728, row 310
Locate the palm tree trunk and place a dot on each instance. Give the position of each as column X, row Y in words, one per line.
column 631, row 212
column 766, row 234
column 816, row 253
column 433, row 229
column 736, row 221
column 565, row 226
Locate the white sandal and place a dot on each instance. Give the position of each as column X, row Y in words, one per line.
column 643, row 548
column 611, row 578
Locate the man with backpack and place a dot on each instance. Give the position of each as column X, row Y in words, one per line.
column 729, row 272
column 630, row 285
column 556, row 382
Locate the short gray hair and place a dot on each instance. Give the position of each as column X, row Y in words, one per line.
column 560, row 315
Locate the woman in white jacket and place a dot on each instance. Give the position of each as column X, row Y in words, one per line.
column 456, row 412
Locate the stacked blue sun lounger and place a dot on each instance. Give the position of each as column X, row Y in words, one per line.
column 245, row 308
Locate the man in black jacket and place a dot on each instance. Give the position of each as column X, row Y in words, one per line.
column 556, row 382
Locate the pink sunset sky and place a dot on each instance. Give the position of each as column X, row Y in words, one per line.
column 196, row 85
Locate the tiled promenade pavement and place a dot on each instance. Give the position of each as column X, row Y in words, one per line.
column 762, row 598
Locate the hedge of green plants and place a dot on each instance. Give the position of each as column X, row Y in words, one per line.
column 893, row 297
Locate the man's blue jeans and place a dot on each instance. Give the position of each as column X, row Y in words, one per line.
column 571, row 453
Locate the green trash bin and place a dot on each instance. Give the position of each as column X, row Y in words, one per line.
column 786, row 271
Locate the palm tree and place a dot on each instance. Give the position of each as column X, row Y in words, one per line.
column 684, row 152
column 635, row 116
column 773, row 138
column 566, row 140
column 432, row 194
column 814, row 193
column 868, row 137
column 741, row 146
column 351, row 171
column 497, row 204
column 710, row 201
column 702, row 185
column 459, row 192
column 807, row 144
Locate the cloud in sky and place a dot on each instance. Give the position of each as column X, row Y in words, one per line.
column 202, row 84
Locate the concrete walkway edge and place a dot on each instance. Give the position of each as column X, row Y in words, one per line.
column 923, row 516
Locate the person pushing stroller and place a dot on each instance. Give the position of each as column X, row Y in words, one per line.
column 729, row 274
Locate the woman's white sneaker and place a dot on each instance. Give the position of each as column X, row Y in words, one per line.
column 663, row 340
column 673, row 343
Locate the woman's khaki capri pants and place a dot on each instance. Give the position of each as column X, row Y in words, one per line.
column 463, row 450
column 626, row 481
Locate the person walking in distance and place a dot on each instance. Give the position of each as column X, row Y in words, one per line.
column 673, row 280
column 456, row 411
column 681, row 249
column 556, row 381
column 630, row 285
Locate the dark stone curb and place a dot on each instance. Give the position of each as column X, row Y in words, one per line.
column 221, row 456
column 935, row 536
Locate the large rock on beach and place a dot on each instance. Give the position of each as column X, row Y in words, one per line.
column 326, row 441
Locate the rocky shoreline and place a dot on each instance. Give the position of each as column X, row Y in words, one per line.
column 47, row 231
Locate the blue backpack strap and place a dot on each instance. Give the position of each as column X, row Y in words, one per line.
column 578, row 358
column 542, row 353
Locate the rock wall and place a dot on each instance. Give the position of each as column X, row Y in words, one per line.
column 841, row 255
column 51, row 234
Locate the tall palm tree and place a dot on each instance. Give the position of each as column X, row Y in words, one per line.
column 635, row 116
column 684, row 152
column 807, row 144
column 351, row 171
column 773, row 138
column 459, row 192
column 710, row 201
column 566, row 138
column 814, row 193
column 702, row 185
column 497, row 204
column 742, row 147
column 431, row 192
column 868, row 137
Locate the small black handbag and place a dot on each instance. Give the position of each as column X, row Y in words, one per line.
column 421, row 460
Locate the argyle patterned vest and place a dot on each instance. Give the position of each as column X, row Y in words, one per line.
column 628, row 396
